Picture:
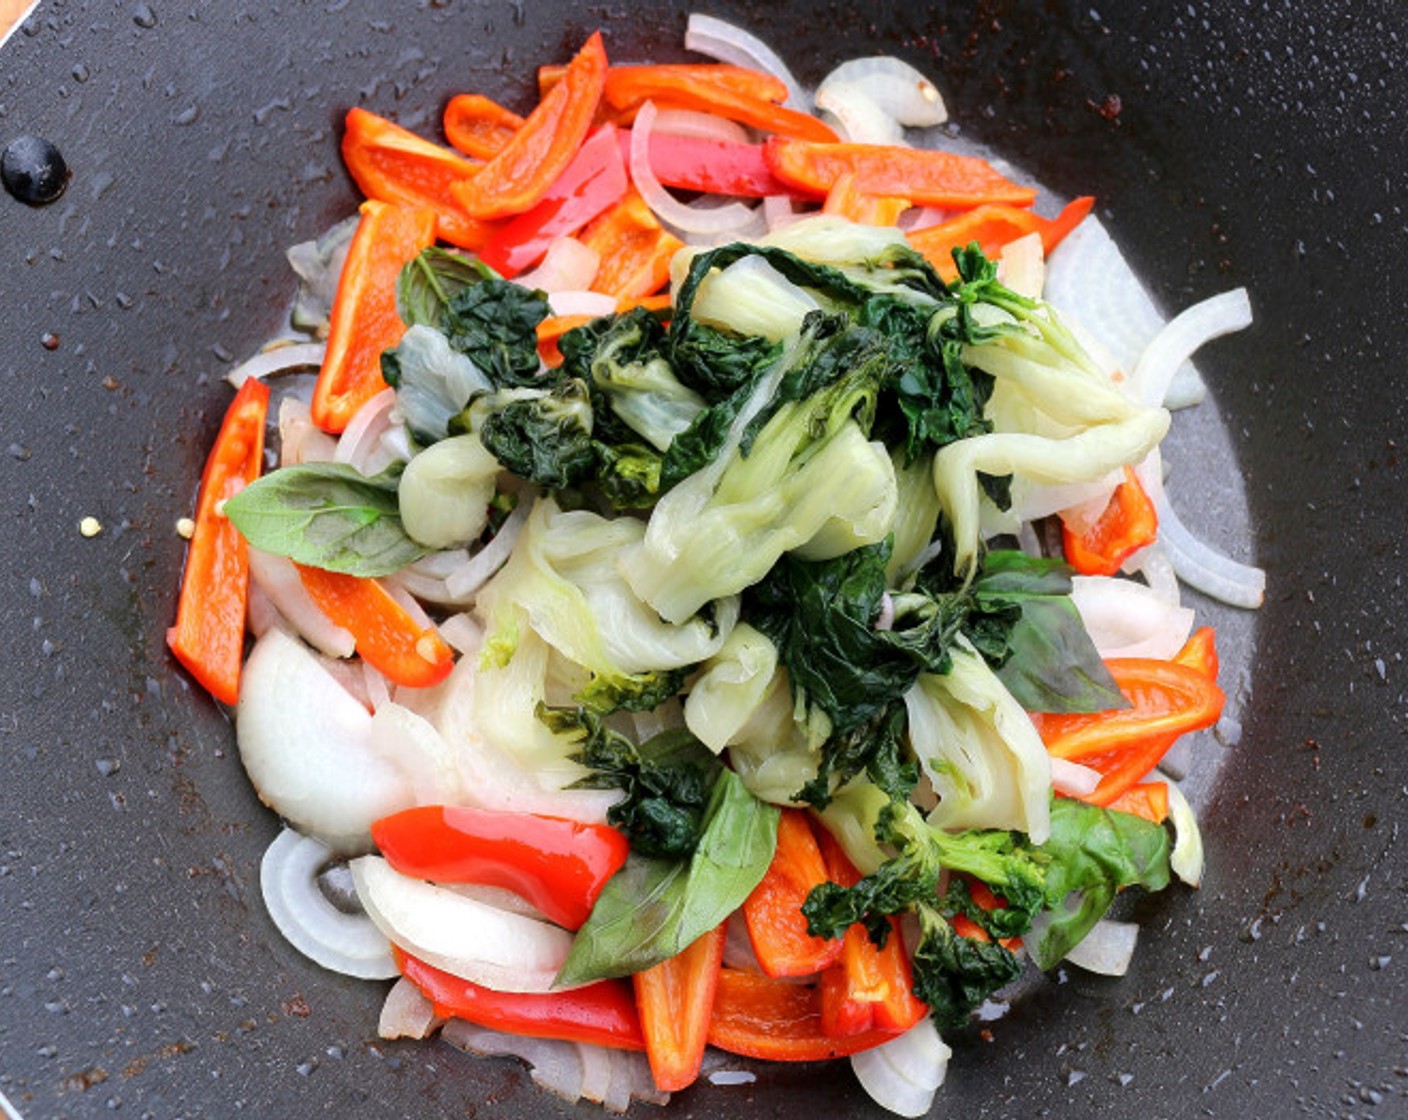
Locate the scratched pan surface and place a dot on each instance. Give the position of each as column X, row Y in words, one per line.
column 1259, row 145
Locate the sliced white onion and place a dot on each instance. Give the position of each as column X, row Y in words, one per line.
column 1073, row 779
column 407, row 1013
column 465, row 581
column 738, row 946
column 579, row 302
column 894, row 86
column 779, row 213
column 1200, row 565
column 1177, row 342
column 277, row 360
column 378, row 688
column 1127, row 619
column 278, row 578
column 345, row 943
column 567, row 266
column 922, row 217
column 463, row 633
column 462, row 936
column 1156, row 568
column 1187, row 856
column 425, row 579
column 731, row 219
column 360, row 445
column 701, row 126
column 301, row 440
column 856, row 116
column 718, row 39
column 1107, row 949
column 1099, row 296
column 903, row 1075
column 569, row 1070
column 261, row 615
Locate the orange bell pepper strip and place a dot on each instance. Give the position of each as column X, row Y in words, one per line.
column 601, row 1014
column 1200, row 652
column 478, row 126
column 1145, row 799
column 1128, row 524
column 773, row 915
column 208, row 637
column 992, row 226
column 867, row 987
column 925, row 177
column 635, row 249
column 675, row 1000
column 1167, row 699
column 364, row 318
column 738, row 80
column 392, row 164
column 521, row 173
column 711, row 90
column 844, row 200
column 756, row 1016
column 388, row 638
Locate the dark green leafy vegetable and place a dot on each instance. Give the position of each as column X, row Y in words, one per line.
column 543, row 436
column 667, row 780
column 496, row 322
column 653, row 908
column 327, row 515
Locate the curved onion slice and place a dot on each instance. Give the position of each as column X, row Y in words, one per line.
column 464, row 581
column 570, row 1070
column 1073, row 779
column 361, row 444
column 279, row 580
column 277, row 360
column 345, row 943
column 903, row 1075
column 729, row 220
column 462, row 936
column 718, row 39
column 1107, row 949
column 701, row 126
column 407, row 1013
column 569, row 265
column 1181, row 338
column 577, row 302
column 1187, row 856
column 895, row 87
column 1127, row 619
column 1200, row 565
column 861, row 119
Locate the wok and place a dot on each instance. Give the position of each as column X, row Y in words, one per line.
column 1256, row 145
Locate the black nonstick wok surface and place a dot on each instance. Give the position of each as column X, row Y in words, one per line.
column 1251, row 143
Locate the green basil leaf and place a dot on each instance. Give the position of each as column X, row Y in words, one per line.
column 653, row 909
column 327, row 515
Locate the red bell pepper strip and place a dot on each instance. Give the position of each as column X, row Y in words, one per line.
column 925, row 177
column 779, row 1020
column 556, row 864
column 992, row 226
column 364, row 317
column 1167, row 699
column 697, row 163
column 519, row 176
column 1145, row 799
column 479, row 126
column 845, row 200
column 711, row 89
column 602, row 1013
column 208, row 637
column 773, row 912
column 868, row 988
column 391, row 164
column 387, row 637
column 675, row 1000
column 1128, row 524
column 635, row 249
column 594, row 181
